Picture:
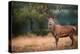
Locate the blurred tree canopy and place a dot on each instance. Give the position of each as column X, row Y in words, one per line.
column 28, row 15
column 32, row 17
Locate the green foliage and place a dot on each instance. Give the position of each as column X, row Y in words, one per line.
column 23, row 12
column 34, row 10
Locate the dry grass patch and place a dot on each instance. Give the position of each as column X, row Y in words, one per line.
column 39, row 43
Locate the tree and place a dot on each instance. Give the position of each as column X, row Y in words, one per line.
column 28, row 13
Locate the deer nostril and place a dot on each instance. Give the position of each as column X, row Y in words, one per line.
column 50, row 24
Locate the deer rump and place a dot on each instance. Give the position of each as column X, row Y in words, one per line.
column 63, row 31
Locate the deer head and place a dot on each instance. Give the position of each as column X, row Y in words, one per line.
column 50, row 22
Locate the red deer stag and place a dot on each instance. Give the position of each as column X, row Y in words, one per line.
column 60, row 31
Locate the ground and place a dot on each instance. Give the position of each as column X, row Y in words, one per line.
column 39, row 43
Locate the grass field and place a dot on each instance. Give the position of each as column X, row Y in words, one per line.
column 39, row 43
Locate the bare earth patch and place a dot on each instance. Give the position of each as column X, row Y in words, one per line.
column 39, row 43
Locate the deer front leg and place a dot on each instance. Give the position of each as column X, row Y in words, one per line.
column 56, row 38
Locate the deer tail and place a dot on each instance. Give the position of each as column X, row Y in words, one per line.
column 74, row 30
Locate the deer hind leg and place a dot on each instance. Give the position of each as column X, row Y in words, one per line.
column 72, row 38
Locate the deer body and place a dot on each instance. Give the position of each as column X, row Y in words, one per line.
column 60, row 31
